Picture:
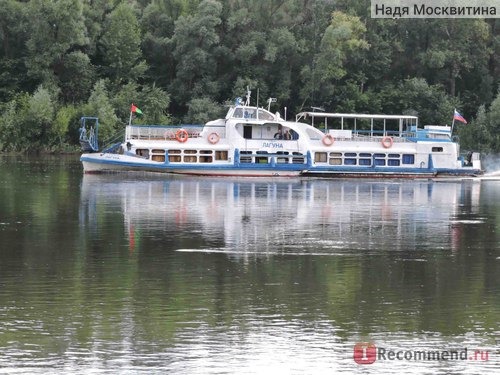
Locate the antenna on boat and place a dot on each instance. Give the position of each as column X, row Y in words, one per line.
column 247, row 102
column 269, row 101
column 257, row 114
column 321, row 109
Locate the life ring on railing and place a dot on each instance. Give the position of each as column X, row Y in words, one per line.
column 213, row 138
column 328, row 140
column 181, row 135
column 387, row 142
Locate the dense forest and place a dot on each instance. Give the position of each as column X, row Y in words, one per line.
column 180, row 61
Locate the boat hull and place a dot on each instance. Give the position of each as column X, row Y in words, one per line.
column 410, row 173
column 112, row 163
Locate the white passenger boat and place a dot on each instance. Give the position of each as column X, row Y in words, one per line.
column 252, row 141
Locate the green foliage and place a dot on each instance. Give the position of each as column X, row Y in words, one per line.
column 99, row 105
column 120, row 42
column 202, row 110
column 76, row 77
column 180, row 59
column 342, row 37
column 64, row 117
column 195, row 40
column 56, row 29
column 155, row 102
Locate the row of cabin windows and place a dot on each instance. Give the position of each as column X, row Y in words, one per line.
column 365, row 159
column 283, row 157
column 186, row 156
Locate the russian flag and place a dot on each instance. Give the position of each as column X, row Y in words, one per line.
column 457, row 116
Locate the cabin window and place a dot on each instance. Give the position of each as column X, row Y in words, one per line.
column 350, row 154
column 238, row 113
column 174, row 158
column 394, row 156
column 190, row 159
column 350, row 161
column 365, row 162
column 244, row 158
column 379, row 161
column 174, row 152
column 220, row 155
column 320, row 157
column 206, row 159
column 365, row 155
column 393, row 162
column 261, row 160
column 189, row 151
column 265, row 116
column 379, row 155
column 297, row 158
column 160, row 158
column 335, row 161
column 437, row 149
column 408, row 159
column 143, row 152
column 205, row 152
column 335, row 154
column 282, row 160
column 248, row 113
column 158, row 151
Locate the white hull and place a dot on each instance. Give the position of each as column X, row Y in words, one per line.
column 99, row 163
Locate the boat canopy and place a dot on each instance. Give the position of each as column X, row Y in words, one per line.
column 402, row 120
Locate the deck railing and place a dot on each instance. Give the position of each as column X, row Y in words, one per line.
column 160, row 133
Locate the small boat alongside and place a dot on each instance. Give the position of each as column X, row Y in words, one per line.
column 252, row 141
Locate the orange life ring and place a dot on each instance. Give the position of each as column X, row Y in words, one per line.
column 387, row 142
column 213, row 138
column 181, row 135
column 328, row 140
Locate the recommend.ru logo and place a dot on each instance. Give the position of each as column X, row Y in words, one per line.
column 366, row 353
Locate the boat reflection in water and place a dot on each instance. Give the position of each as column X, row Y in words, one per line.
column 247, row 275
column 288, row 216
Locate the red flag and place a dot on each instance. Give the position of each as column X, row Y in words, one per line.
column 134, row 109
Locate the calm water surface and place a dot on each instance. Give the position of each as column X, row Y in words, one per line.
column 158, row 274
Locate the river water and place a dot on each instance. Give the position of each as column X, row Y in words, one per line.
column 151, row 274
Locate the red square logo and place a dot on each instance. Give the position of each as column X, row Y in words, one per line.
column 365, row 353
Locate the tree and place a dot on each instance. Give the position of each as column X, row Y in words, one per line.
column 455, row 47
column 99, row 105
column 76, row 77
column 13, row 36
column 120, row 46
column 56, row 29
column 157, row 24
column 195, row 40
column 202, row 110
column 341, row 38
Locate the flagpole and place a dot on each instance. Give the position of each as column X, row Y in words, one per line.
column 453, row 122
column 130, row 118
